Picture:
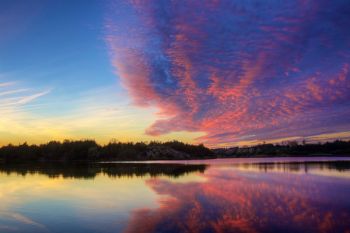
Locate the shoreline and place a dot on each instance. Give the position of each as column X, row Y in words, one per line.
column 260, row 159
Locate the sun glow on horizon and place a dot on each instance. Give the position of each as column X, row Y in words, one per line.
column 230, row 74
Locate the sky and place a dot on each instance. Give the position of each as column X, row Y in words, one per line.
column 218, row 72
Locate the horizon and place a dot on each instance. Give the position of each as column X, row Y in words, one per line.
column 113, row 141
column 229, row 74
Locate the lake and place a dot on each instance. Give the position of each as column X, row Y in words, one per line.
column 221, row 195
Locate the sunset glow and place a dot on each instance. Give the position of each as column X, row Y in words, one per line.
column 220, row 73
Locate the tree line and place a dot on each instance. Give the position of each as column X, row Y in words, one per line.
column 291, row 148
column 89, row 150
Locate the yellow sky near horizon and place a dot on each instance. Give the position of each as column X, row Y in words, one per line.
column 99, row 115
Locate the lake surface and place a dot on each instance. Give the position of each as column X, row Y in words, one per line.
column 223, row 195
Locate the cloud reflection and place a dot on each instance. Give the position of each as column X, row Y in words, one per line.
column 231, row 201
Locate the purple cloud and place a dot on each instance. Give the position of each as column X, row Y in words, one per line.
column 236, row 70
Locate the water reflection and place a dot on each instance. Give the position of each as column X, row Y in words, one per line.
column 90, row 171
column 226, row 197
column 231, row 201
column 339, row 166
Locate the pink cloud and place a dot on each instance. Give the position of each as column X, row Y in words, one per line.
column 261, row 72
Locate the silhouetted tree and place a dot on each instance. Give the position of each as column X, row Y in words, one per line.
column 89, row 150
column 292, row 148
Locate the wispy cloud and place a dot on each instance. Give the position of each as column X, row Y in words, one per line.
column 15, row 97
column 6, row 84
column 230, row 69
column 4, row 93
column 97, row 114
column 30, row 98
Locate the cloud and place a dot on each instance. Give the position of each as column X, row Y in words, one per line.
column 91, row 115
column 4, row 93
column 30, row 98
column 14, row 97
column 6, row 84
column 232, row 69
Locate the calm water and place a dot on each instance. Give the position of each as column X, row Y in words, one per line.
column 230, row 195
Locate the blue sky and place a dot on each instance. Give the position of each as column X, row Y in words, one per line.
column 56, row 43
column 226, row 73
column 54, row 58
